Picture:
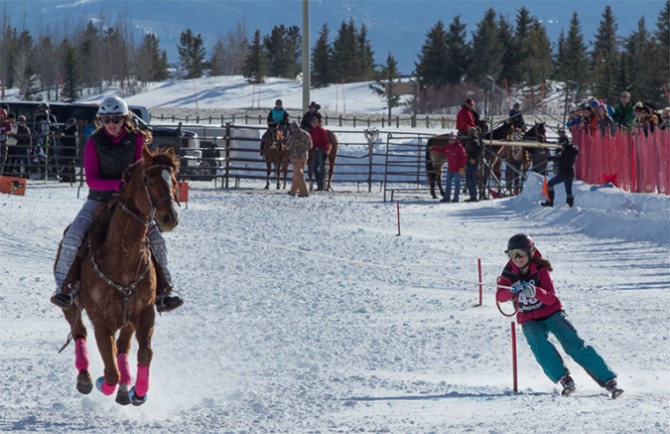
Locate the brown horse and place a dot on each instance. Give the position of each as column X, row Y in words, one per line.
column 117, row 286
column 330, row 158
column 435, row 161
column 273, row 149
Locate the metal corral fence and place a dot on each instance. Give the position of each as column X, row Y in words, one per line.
column 395, row 161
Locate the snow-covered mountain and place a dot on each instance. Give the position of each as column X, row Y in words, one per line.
column 395, row 26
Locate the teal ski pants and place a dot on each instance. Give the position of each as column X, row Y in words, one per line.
column 537, row 333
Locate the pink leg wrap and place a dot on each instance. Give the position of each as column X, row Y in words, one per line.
column 124, row 368
column 142, row 383
column 80, row 354
column 107, row 389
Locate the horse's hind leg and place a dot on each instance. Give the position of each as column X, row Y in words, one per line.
column 144, row 333
column 78, row 331
column 123, row 347
column 331, row 170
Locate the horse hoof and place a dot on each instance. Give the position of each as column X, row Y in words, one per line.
column 103, row 387
column 136, row 400
column 84, row 383
column 123, row 396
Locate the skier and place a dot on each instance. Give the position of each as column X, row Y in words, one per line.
column 109, row 151
column 526, row 281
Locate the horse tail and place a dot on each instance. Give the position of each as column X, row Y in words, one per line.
column 430, row 169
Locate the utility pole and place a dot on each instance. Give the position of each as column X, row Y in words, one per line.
column 306, row 70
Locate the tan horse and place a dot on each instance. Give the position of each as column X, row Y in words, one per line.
column 118, row 278
column 273, row 149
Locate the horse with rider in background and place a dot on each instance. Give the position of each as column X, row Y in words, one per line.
column 273, row 151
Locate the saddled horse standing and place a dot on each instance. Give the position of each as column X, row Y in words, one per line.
column 273, row 150
column 118, row 277
column 435, row 161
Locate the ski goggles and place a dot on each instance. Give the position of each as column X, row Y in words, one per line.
column 516, row 253
column 112, row 119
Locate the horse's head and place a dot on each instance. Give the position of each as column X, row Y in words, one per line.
column 151, row 184
column 537, row 132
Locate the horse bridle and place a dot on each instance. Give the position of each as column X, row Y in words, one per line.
column 154, row 206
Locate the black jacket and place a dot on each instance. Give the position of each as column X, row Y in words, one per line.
column 565, row 160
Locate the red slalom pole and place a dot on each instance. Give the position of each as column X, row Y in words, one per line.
column 397, row 207
column 479, row 266
column 514, row 372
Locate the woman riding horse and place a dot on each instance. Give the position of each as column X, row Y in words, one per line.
column 109, row 151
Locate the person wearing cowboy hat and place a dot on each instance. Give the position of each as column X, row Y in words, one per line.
column 313, row 112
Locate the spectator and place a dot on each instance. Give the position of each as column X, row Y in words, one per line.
column 526, row 282
column 298, row 144
column 313, row 111
column 278, row 117
column 565, row 161
column 473, row 151
column 46, row 128
column 68, row 150
column 5, row 131
column 589, row 122
column 19, row 152
column 573, row 119
column 321, row 147
column 516, row 118
column 645, row 118
column 605, row 122
column 665, row 119
column 624, row 115
column 456, row 159
column 467, row 117
column 109, row 151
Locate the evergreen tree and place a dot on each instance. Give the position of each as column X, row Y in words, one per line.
column 538, row 66
column 383, row 85
column 662, row 35
column 605, row 58
column 70, row 74
column 255, row 63
column 152, row 60
column 345, row 64
column 283, row 51
column 89, row 53
column 433, row 59
column 645, row 81
column 321, row 60
column 366, row 64
column 571, row 63
column 457, row 51
column 22, row 65
column 217, row 62
column 510, row 69
column 191, row 54
column 521, row 50
column 487, row 51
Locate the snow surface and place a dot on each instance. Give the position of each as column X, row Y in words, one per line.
column 313, row 315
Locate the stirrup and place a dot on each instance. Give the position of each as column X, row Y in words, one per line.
column 63, row 300
column 168, row 302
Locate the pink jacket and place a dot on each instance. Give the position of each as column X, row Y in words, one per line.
column 545, row 302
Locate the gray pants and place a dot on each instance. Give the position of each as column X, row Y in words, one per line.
column 75, row 236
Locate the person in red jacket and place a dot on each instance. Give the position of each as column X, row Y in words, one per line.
column 321, row 147
column 526, row 282
column 467, row 118
column 456, row 159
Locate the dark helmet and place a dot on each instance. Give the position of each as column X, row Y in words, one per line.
column 44, row 105
column 521, row 241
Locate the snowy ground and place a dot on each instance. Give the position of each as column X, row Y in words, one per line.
column 313, row 315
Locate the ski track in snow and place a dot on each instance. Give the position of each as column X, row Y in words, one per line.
column 314, row 316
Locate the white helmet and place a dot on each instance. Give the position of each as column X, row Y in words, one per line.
column 113, row 106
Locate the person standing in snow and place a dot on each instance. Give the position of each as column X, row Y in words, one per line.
column 114, row 146
column 313, row 112
column 565, row 161
column 456, row 159
column 526, row 282
column 321, row 146
column 298, row 144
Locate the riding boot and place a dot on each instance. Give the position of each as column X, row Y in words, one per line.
column 570, row 200
column 549, row 202
column 166, row 298
column 64, row 297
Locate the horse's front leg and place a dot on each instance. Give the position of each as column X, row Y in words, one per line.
column 107, row 348
column 123, row 347
column 268, row 170
column 144, row 333
column 81, row 361
column 331, row 169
